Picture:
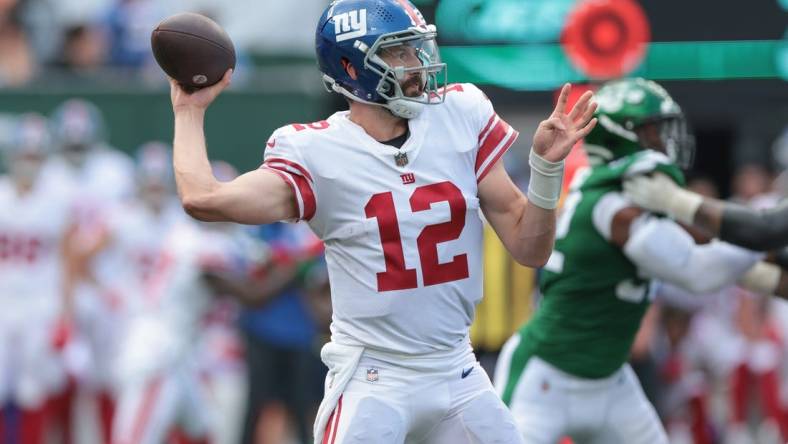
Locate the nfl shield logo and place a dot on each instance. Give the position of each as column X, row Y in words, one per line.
column 372, row 374
column 401, row 159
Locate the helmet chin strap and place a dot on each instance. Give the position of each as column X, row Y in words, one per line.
column 407, row 109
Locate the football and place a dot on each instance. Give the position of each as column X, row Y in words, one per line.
column 192, row 49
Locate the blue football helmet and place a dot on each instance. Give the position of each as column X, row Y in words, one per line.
column 29, row 146
column 77, row 127
column 388, row 43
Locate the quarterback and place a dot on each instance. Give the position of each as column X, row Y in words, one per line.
column 564, row 373
column 393, row 187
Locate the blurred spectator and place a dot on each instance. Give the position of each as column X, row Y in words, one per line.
column 749, row 181
column 17, row 64
column 84, row 49
column 130, row 24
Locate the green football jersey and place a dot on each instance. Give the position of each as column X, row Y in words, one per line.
column 592, row 297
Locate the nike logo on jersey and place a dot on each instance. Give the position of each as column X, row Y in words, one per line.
column 271, row 143
column 466, row 372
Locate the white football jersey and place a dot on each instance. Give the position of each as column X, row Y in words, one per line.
column 137, row 257
column 107, row 175
column 32, row 228
column 401, row 227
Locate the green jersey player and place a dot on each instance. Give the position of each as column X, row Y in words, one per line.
column 564, row 373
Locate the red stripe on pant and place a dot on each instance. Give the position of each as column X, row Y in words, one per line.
column 330, row 434
column 33, row 424
column 143, row 415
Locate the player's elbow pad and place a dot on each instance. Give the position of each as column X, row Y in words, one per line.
column 767, row 230
column 661, row 249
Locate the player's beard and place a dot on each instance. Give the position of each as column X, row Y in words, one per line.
column 413, row 86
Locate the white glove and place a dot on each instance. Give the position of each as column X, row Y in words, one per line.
column 660, row 194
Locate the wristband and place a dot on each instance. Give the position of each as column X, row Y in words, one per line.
column 762, row 278
column 683, row 205
column 544, row 187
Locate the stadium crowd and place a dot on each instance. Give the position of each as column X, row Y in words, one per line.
column 76, row 40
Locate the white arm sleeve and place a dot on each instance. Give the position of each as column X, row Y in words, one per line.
column 661, row 249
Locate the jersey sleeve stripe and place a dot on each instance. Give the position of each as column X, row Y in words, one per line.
column 499, row 151
column 296, row 168
column 308, row 197
column 487, row 127
column 288, row 178
column 491, row 142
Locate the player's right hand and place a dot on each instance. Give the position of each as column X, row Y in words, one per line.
column 199, row 99
column 654, row 193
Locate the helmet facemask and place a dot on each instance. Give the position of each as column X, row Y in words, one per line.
column 399, row 57
column 24, row 167
column 670, row 136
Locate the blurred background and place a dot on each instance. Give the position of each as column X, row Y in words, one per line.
column 222, row 344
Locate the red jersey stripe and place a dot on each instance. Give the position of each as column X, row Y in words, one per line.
column 301, row 170
column 498, row 155
column 496, row 135
column 487, row 127
column 288, row 178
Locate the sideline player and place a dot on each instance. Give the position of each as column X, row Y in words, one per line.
column 393, row 187
column 565, row 371
column 36, row 226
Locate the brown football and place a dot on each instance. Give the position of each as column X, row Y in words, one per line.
column 192, row 49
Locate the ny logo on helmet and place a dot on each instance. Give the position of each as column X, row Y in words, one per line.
column 350, row 25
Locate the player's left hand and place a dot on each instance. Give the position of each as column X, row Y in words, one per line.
column 556, row 136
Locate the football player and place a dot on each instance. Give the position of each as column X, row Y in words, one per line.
column 565, row 371
column 156, row 259
column 761, row 230
column 35, row 231
column 100, row 178
column 79, row 132
column 393, row 187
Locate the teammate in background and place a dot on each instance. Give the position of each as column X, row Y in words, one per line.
column 393, row 188
column 163, row 254
column 98, row 178
column 761, row 230
column 565, row 372
column 85, row 157
column 35, row 232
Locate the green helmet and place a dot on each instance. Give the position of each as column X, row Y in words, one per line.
column 635, row 115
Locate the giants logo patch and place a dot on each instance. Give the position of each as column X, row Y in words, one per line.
column 350, row 25
column 407, row 178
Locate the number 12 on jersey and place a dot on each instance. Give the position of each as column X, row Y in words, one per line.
column 396, row 276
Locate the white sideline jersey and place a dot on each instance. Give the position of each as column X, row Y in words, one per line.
column 401, row 227
column 32, row 228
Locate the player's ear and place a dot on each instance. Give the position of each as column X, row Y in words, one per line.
column 349, row 69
